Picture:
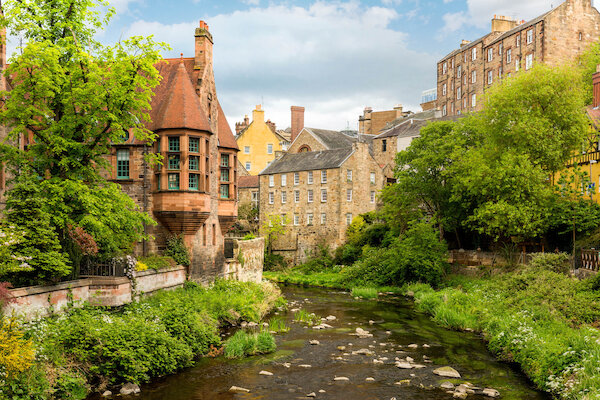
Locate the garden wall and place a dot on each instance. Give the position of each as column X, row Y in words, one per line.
column 38, row 301
column 247, row 262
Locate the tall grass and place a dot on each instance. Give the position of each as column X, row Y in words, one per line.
column 365, row 292
column 243, row 344
column 306, row 317
column 278, row 325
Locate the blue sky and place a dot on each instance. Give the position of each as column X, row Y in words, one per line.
column 332, row 57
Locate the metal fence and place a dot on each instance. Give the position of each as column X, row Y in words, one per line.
column 229, row 248
column 113, row 267
column 590, row 259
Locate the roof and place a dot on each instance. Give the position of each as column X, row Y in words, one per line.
column 225, row 135
column 312, row 160
column 522, row 26
column 248, row 181
column 594, row 116
column 466, row 47
column 176, row 104
column 331, row 139
column 285, row 134
column 412, row 127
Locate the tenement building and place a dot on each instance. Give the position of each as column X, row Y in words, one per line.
column 371, row 122
column 557, row 36
column 193, row 192
column 317, row 188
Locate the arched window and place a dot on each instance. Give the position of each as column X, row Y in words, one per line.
column 304, row 149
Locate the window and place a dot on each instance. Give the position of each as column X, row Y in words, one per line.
column 194, row 145
column 348, row 219
column 123, row 164
column 508, row 56
column 323, row 219
column 518, row 43
column 296, row 178
column 500, row 48
column 473, row 76
column 270, row 148
column 310, row 195
column 255, row 197
column 246, row 149
column 323, row 176
column 296, row 196
column 459, row 72
column 452, row 63
column 248, row 165
column 474, row 53
column 458, row 93
column 465, row 99
column 452, row 107
column 349, row 195
column 283, row 197
column 349, row 175
column 323, row 195
column 529, row 61
column 372, row 178
column 530, row 36
column 500, row 72
column 193, row 182
column 283, row 219
column 490, row 77
column 284, row 180
column 271, row 197
column 473, row 100
column 173, row 181
column 309, row 219
column 194, row 163
column 271, row 180
column 310, row 177
column 224, row 175
column 466, row 79
column 225, row 160
column 372, row 197
column 445, row 68
column 518, row 64
column 174, row 144
column 444, row 110
column 465, row 56
column 580, row 36
column 224, row 191
column 444, row 89
column 384, row 145
column 296, row 219
column 490, row 54
column 174, row 161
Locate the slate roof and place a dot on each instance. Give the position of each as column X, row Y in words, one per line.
column 521, row 27
column 332, row 139
column 312, row 160
column 248, row 181
column 412, row 127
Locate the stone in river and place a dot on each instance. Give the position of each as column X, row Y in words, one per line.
column 409, row 359
column 364, row 352
column 129, row 388
column 403, row 365
column 459, row 395
column 314, row 342
column 341, row 379
column 108, row 393
column 448, row 372
column 413, row 346
column 322, row 391
column 447, row 385
column 370, row 379
column 287, row 365
column 330, row 318
column 313, row 394
column 426, row 346
column 341, row 348
column 305, row 366
column 403, row 382
column 265, row 373
column 491, row 392
column 237, row 389
column 376, row 361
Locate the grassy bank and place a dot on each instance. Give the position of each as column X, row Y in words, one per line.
column 94, row 348
column 545, row 321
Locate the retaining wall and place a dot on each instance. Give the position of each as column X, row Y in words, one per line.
column 247, row 262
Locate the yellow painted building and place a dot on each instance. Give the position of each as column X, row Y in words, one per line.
column 259, row 143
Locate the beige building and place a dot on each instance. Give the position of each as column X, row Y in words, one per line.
column 320, row 191
column 372, row 122
column 554, row 37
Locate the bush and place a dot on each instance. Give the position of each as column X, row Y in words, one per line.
column 320, row 261
column 274, row 262
column 156, row 262
column 249, row 236
column 16, row 352
column 243, row 344
column 364, row 292
column 555, row 262
column 178, row 251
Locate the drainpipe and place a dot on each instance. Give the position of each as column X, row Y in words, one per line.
column 145, row 200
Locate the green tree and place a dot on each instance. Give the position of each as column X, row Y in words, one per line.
column 273, row 228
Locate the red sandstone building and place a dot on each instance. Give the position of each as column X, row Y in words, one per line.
column 194, row 191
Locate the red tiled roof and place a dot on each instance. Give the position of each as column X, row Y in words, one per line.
column 248, row 181
column 226, row 138
column 176, row 104
column 594, row 116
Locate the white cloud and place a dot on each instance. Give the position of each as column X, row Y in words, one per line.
column 251, row 2
column 334, row 58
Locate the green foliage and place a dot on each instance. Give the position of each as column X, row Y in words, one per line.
column 274, row 262
column 249, row 236
column 32, row 384
column 555, row 262
column 157, row 262
column 278, row 325
column 273, row 228
column 535, row 317
column 308, row 318
column 177, row 250
column 243, row 344
column 364, row 292
column 320, row 261
column 418, row 255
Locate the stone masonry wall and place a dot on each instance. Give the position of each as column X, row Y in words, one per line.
column 247, row 262
column 306, row 139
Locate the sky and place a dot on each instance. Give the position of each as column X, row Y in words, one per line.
column 334, row 57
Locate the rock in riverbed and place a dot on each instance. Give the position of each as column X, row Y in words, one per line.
column 129, row 388
column 341, row 379
column 237, row 389
column 265, row 373
column 448, row 372
column 314, row 342
column 491, row 392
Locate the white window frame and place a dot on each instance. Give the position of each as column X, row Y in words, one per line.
column 445, row 68
column 271, row 197
column 530, row 36
column 296, row 219
column 474, row 54
column 528, row 61
column 473, row 100
column 348, row 219
column 309, row 219
column 324, row 176
column 490, row 78
column 508, row 56
column 459, row 72
column 271, row 180
column 500, row 70
column 323, row 195
column 284, row 180
column 246, row 149
column 248, row 165
column 323, row 218
column 373, row 196
column 270, row 148
column 458, row 93
column 310, row 196
column 309, row 177
column 474, row 76
column 444, row 89
column 283, row 197
column 348, row 195
column 373, row 178
column 500, row 48
column 517, row 64
column 296, row 178
column 444, row 110
column 490, row 57
column 518, row 43
column 283, row 219
column 296, row 196
column 349, row 175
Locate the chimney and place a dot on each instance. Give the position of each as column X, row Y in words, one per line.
column 272, row 125
column 398, row 109
column 297, row 121
column 501, row 23
column 204, row 47
column 258, row 115
column 240, row 126
column 464, row 42
column 596, row 78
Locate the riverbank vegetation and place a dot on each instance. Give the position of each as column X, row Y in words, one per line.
column 243, row 344
column 98, row 348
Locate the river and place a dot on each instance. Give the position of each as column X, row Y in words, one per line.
column 394, row 324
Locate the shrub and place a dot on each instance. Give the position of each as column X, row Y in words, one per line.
column 156, row 262
column 178, row 251
column 322, row 260
column 243, row 344
column 308, row 318
column 140, row 266
column 555, row 262
column 274, row 262
column 16, row 353
column 249, row 236
column 364, row 292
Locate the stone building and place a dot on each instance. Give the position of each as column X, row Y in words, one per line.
column 248, row 191
column 319, row 191
column 194, row 192
column 372, row 122
column 259, row 142
column 557, row 36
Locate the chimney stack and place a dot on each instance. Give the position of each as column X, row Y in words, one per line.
column 596, row 79
column 398, row 108
column 258, row 115
column 204, row 47
column 500, row 23
column 297, row 121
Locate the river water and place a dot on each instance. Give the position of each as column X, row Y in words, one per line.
column 394, row 325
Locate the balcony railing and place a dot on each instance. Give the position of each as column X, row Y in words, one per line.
column 585, row 158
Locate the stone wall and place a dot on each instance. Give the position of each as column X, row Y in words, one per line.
column 38, row 301
column 247, row 262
